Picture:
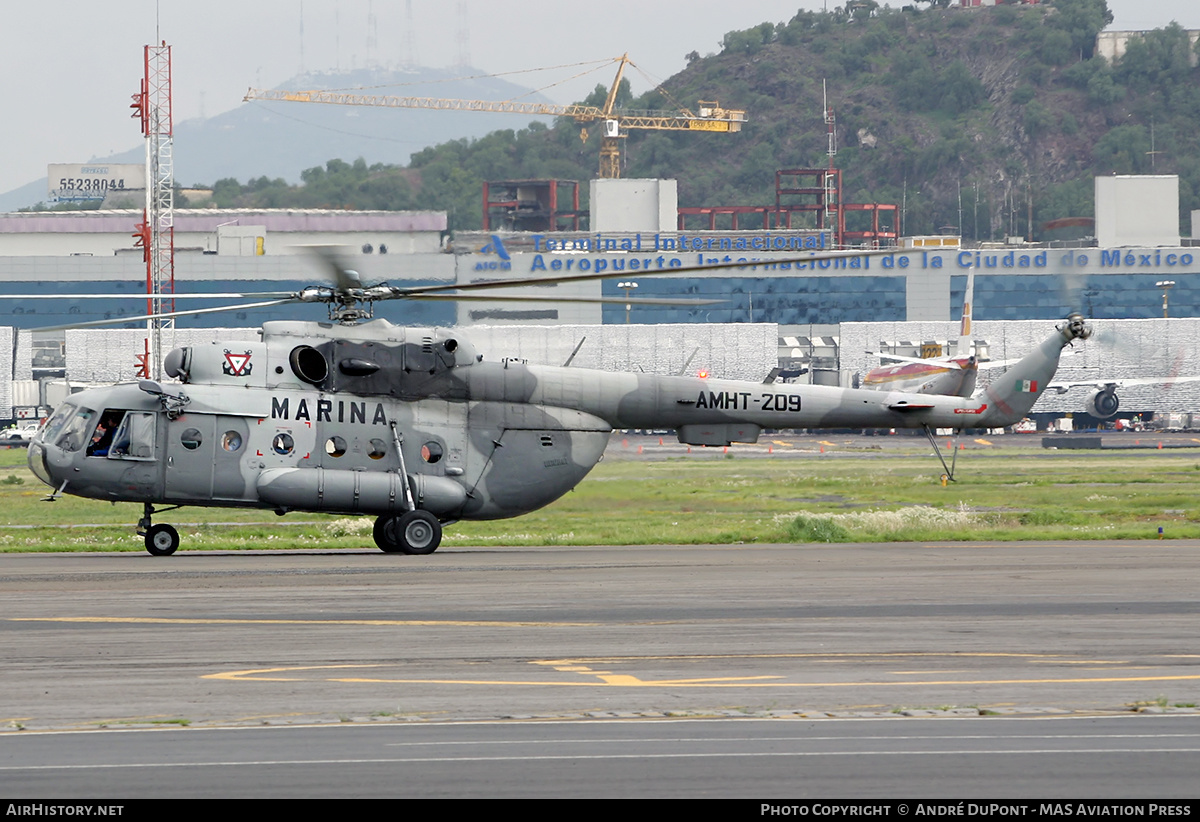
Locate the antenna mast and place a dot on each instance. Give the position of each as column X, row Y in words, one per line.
column 832, row 184
column 157, row 230
column 829, row 125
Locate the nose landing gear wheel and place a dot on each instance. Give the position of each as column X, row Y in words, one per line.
column 162, row 540
column 414, row 532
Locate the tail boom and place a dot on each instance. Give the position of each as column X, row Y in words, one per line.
column 712, row 412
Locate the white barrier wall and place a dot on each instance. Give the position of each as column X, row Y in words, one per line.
column 7, row 352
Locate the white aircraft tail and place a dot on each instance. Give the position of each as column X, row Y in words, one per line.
column 966, row 345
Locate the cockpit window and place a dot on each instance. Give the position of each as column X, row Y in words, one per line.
column 75, row 436
column 57, row 421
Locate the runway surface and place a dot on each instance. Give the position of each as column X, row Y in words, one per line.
column 976, row 760
column 793, row 636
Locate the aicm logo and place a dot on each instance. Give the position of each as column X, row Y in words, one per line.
column 496, row 246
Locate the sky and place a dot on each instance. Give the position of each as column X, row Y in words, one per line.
column 73, row 65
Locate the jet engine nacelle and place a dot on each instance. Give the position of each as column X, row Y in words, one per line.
column 1103, row 403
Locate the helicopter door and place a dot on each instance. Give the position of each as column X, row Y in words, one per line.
column 191, row 451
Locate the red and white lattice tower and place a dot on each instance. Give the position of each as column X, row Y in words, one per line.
column 832, row 184
column 156, row 233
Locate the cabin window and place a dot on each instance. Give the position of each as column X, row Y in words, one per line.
column 335, row 447
column 378, row 449
column 231, row 441
column 191, row 439
column 283, row 444
column 431, row 452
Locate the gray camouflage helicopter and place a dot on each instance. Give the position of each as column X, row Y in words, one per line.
column 412, row 425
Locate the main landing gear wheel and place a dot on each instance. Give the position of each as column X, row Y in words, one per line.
column 161, row 540
column 414, row 532
column 420, row 532
column 385, row 535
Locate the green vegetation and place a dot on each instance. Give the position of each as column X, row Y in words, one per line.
column 944, row 110
column 838, row 496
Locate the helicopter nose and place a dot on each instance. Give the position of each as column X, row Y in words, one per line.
column 37, row 462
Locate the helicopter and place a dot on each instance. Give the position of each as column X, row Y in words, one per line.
column 414, row 427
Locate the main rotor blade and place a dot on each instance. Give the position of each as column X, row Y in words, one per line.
column 349, row 287
column 344, row 278
column 516, row 298
column 407, row 293
column 168, row 315
column 216, row 295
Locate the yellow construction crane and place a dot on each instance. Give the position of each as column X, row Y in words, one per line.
column 711, row 117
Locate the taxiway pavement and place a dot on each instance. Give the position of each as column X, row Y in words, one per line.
column 202, row 638
column 953, row 670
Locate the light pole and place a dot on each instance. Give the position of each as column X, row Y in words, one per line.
column 1165, row 285
column 628, row 286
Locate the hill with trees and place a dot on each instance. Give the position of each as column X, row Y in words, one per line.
column 966, row 117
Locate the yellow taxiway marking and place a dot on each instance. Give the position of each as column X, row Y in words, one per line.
column 630, row 681
column 811, row 656
column 606, row 678
column 454, row 623
column 983, row 442
column 260, row 674
column 784, row 443
column 594, row 677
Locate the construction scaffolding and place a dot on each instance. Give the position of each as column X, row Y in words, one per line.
column 817, row 193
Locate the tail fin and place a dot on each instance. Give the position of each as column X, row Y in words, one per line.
column 966, row 345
